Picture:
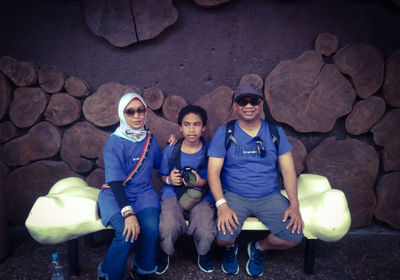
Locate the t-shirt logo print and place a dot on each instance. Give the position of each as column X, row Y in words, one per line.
column 245, row 152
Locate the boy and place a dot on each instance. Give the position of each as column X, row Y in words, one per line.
column 186, row 195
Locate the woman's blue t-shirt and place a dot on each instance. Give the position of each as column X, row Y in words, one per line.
column 190, row 160
column 120, row 157
column 245, row 172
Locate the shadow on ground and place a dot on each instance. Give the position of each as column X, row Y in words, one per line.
column 372, row 253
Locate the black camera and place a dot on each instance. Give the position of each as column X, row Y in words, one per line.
column 188, row 175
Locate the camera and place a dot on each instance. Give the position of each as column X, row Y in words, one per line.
column 193, row 195
column 188, row 175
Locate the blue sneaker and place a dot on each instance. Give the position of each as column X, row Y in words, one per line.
column 206, row 262
column 255, row 264
column 229, row 262
column 162, row 262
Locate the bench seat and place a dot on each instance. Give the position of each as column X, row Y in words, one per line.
column 69, row 211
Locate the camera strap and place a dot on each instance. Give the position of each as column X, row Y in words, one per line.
column 175, row 159
column 138, row 164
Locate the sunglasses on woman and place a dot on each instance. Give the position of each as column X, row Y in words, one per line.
column 242, row 102
column 131, row 112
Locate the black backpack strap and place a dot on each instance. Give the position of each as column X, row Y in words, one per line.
column 273, row 128
column 230, row 128
column 274, row 134
column 175, row 159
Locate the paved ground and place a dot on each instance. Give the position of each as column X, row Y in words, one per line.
column 371, row 253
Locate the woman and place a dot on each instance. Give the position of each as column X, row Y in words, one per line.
column 128, row 201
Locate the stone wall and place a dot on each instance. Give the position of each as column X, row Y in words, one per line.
column 338, row 106
column 53, row 126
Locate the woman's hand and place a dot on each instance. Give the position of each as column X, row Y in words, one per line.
column 172, row 139
column 132, row 228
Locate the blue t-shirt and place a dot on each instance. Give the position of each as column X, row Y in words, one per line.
column 190, row 160
column 120, row 157
column 244, row 171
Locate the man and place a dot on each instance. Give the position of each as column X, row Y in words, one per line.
column 244, row 182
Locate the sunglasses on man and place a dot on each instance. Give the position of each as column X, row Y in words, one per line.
column 242, row 102
column 131, row 112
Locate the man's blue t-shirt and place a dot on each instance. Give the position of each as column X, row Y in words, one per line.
column 190, row 160
column 245, row 172
column 120, row 157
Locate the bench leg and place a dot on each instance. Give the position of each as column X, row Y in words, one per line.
column 89, row 239
column 73, row 257
column 309, row 256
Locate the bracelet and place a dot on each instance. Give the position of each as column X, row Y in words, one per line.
column 220, row 202
column 126, row 208
column 129, row 214
column 167, row 180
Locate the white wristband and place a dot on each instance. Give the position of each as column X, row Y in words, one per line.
column 220, row 202
column 126, row 208
column 167, row 180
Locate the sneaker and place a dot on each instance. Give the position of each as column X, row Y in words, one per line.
column 229, row 262
column 136, row 276
column 162, row 262
column 206, row 262
column 255, row 264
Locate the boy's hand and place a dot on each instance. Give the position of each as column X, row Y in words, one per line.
column 175, row 177
column 199, row 182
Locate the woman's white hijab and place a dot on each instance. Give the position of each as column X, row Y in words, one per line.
column 124, row 130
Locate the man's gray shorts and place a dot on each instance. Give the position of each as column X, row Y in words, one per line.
column 269, row 210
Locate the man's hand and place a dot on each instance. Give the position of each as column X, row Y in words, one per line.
column 227, row 219
column 132, row 228
column 296, row 222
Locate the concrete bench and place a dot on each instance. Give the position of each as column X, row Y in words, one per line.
column 70, row 211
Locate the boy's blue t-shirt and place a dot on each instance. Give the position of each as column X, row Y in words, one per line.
column 191, row 160
column 120, row 157
column 245, row 172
